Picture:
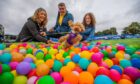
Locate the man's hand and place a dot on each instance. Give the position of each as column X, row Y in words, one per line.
column 43, row 33
column 51, row 30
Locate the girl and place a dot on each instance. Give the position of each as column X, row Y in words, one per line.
column 34, row 29
column 89, row 23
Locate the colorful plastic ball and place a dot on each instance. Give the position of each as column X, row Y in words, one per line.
column 120, row 47
column 118, row 68
column 57, row 66
column 76, row 58
column 23, row 68
column 85, row 54
column 114, row 75
column 50, row 63
column 84, row 48
column 17, row 57
column 13, row 65
column 115, row 61
column 66, row 61
column 32, row 80
column 125, row 81
column 65, row 70
column 6, row 58
column 111, row 55
column 32, row 73
column 86, row 78
column 65, row 83
column 102, row 71
column 119, row 55
column 37, row 51
column 137, row 81
column 2, row 46
column 95, row 49
column 103, row 79
column 33, row 66
column 109, row 62
column 40, row 55
column 20, row 80
column 71, row 78
column 5, row 68
column 42, row 70
column 6, row 78
column 22, row 51
column 103, row 64
column 83, row 63
column 30, row 60
column 97, row 58
column 65, row 54
column 46, row 80
column 125, row 63
column 136, row 62
column 77, row 50
column 105, row 53
column 78, row 69
column 29, row 51
column 124, row 76
column 52, row 51
column 0, row 68
column 71, row 65
column 48, row 56
column 127, row 56
column 57, row 77
column 92, row 68
column 132, row 72
column 14, row 73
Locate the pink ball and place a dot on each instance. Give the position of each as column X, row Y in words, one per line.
column 32, row 80
column 57, row 77
column 13, row 65
column 114, row 75
column 97, row 58
column 103, row 64
column 120, row 47
column 132, row 72
column 84, row 48
column 65, row 83
column 0, row 68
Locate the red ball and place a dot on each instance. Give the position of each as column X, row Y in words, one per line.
column 32, row 73
column 102, row 71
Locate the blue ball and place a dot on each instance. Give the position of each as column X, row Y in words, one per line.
column 103, row 79
column 136, row 62
column 66, row 61
column 33, row 66
column 6, row 58
column 83, row 63
column 76, row 58
column 118, row 68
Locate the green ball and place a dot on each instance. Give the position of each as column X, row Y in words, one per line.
column 20, row 80
column 29, row 51
column 57, row 65
column 65, row 54
column 105, row 53
column 46, row 80
column 137, row 81
column 40, row 55
column 6, row 78
column 130, row 50
column 135, row 56
column 48, row 56
column 5, row 68
column 125, row 63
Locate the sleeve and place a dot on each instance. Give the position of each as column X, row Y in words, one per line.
column 91, row 35
column 70, row 17
column 33, row 30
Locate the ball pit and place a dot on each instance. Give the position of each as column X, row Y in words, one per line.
column 87, row 63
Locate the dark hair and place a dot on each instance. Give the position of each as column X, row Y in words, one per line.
column 93, row 21
column 61, row 4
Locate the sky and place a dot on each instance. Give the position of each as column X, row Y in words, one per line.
column 108, row 13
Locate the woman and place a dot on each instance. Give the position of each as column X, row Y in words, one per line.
column 34, row 29
column 89, row 23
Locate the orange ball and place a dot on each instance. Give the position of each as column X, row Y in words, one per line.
column 17, row 57
column 92, row 68
column 65, row 70
column 86, row 78
column 50, row 63
column 42, row 69
column 77, row 50
column 95, row 49
column 124, row 76
column 78, row 69
column 71, row 78
column 125, row 81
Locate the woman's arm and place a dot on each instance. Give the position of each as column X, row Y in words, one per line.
column 33, row 30
column 91, row 34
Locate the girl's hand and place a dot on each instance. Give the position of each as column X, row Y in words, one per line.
column 43, row 33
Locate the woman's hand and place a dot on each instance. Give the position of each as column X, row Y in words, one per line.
column 51, row 30
column 43, row 33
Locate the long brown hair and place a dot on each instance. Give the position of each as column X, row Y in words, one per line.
column 93, row 21
column 35, row 17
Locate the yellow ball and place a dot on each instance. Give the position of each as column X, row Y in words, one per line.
column 13, row 46
column 109, row 62
column 61, row 52
column 59, row 56
column 71, row 65
column 85, row 54
column 44, row 50
column 38, row 62
column 119, row 55
column 14, row 73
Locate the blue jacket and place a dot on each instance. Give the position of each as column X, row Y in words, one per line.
column 64, row 27
column 88, row 34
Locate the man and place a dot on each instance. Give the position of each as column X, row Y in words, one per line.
column 63, row 23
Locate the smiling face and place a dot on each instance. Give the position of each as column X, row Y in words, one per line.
column 88, row 20
column 42, row 16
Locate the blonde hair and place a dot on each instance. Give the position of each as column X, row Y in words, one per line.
column 80, row 25
column 35, row 17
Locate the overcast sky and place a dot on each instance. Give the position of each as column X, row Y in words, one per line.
column 108, row 13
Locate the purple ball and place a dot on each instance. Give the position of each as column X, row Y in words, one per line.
column 132, row 72
column 23, row 68
column 29, row 60
column 57, row 77
column 120, row 47
column 13, row 65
